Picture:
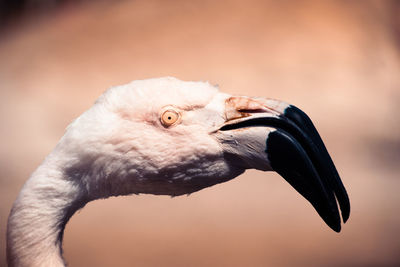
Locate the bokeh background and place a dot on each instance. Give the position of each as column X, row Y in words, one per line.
column 337, row 60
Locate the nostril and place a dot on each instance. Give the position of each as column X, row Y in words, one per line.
column 239, row 107
column 244, row 103
column 259, row 110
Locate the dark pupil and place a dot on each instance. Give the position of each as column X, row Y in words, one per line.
column 169, row 117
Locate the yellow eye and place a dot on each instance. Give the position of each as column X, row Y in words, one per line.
column 169, row 117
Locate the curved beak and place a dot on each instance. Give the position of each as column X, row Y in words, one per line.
column 269, row 134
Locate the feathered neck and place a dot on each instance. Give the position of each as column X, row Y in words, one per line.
column 39, row 215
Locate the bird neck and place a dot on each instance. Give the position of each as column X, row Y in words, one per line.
column 39, row 215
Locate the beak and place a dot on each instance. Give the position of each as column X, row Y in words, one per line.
column 280, row 137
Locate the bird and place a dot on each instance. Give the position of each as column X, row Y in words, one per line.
column 165, row 136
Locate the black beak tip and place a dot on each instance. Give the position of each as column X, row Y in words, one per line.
column 288, row 158
column 329, row 170
column 336, row 228
column 346, row 218
column 298, row 154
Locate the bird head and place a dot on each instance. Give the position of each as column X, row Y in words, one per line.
column 172, row 137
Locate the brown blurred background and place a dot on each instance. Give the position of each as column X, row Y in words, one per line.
column 337, row 60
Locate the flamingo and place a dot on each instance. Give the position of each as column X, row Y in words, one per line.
column 165, row 136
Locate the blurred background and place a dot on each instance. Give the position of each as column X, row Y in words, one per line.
column 337, row 60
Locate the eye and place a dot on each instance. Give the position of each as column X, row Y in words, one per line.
column 169, row 117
